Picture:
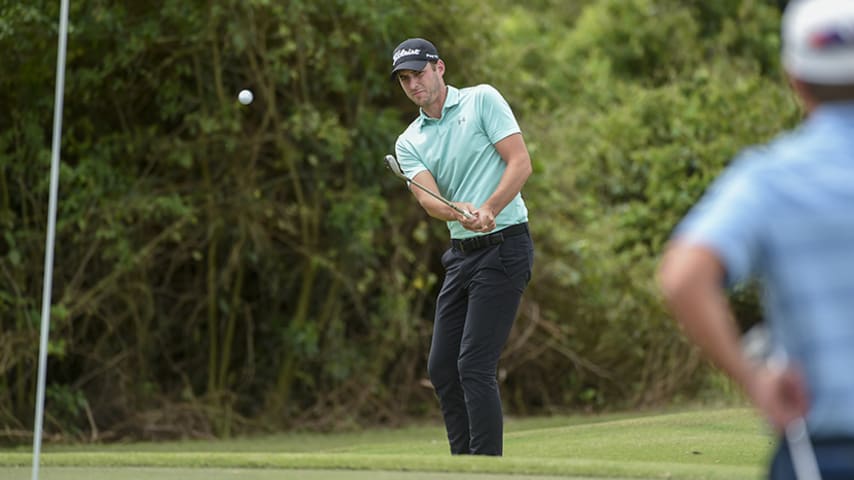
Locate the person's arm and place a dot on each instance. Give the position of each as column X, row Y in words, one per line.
column 691, row 279
column 433, row 207
column 513, row 151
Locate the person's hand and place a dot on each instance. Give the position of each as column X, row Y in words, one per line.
column 469, row 223
column 780, row 393
column 487, row 219
column 482, row 220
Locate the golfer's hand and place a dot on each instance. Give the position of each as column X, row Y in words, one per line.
column 482, row 221
column 466, row 221
column 487, row 219
column 780, row 393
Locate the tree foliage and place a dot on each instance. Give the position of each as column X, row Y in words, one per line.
column 222, row 268
column 642, row 104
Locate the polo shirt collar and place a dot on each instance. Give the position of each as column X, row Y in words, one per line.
column 452, row 99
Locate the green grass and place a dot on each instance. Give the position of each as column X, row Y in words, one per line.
column 137, row 473
column 709, row 444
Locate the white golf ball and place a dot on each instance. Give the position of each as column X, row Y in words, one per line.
column 245, row 97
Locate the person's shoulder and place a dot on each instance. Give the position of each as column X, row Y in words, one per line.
column 772, row 162
column 483, row 96
column 480, row 90
column 785, row 150
column 410, row 129
column 408, row 139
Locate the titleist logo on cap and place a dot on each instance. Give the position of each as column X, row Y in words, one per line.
column 405, row 52
column 413, row 52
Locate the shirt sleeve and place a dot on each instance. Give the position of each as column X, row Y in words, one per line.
column 410, row 163
column 496, row 115
column 728, row 219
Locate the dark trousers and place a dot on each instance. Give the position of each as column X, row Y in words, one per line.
column 835, row 459
column 475, row 310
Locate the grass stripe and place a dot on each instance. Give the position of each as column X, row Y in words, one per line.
column 717, row 444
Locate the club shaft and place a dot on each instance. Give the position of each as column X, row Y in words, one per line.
column 440, row 198
column 804, row 462
column 800, row 449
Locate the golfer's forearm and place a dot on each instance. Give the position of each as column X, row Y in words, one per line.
column 439, row 210
column 511, row 184
column 515, row 154
column 433, row 207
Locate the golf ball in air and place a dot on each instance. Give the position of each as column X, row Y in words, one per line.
column 245, row 97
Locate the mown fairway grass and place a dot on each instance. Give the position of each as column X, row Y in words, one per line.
column 725, row 443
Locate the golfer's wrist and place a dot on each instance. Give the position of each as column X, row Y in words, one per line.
column 489, row 208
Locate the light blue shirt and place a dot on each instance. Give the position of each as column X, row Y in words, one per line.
column 459, row 151
column 785, row 214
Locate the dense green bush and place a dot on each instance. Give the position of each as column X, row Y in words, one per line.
column 642, row 104
column 224, row 268
column 217, row 266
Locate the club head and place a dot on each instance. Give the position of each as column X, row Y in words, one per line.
column 392, row 165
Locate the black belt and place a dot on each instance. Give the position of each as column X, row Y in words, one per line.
column 494, row 238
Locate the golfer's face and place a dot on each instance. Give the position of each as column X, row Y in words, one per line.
column 422, row 87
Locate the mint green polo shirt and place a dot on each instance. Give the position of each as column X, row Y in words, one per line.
column 459, row 151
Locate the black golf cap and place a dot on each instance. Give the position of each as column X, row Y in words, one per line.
column 413, row 54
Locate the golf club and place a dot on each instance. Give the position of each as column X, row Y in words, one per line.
column 757, row 345
column 392, row 165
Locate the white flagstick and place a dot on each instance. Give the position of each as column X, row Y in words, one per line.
column 50, row 238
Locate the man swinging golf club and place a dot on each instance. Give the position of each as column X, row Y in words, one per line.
column 466, row 146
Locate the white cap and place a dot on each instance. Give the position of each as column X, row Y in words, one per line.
column 818, row 41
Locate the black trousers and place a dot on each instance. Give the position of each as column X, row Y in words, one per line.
column 475, row 311
column 835, row 458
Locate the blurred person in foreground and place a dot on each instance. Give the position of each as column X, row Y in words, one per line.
column 784, row 214
column 466, row 145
